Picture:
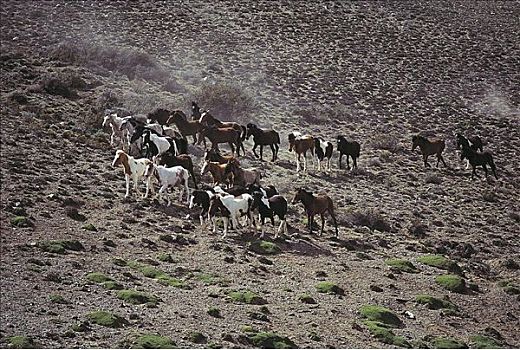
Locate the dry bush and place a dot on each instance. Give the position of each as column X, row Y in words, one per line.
column 56, row 85
column 317, row 114
column 228, row 101
column 371, row 219
column 387, row 142
column 127, row 61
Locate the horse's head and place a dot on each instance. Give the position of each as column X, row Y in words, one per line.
column 205, row 117
column 150, row 170
column 416, row 141
column 250, row 130
column 119, row 158
column 300, row 193
column 257, row 198
column 195, row 110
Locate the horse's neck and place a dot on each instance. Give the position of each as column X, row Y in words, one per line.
column 308, row 201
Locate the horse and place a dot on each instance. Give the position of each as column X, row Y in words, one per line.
column 184, row 160
column 475, row 143
column 263, row 138
column 233, row 208
column 175, row 176
column 157, row 145
column 348, row 148
column 215, row 156
column 315, row 205
column 217, row 171
column 195, row 111
column 207, row 119
column 242, row 177
column 323, row 150
column 162, row 116
column 429, row 148
column 223, row 135
column 134, row 169
column 478, row 158
column 268, row 208
column 186, row 127
column 301, row 144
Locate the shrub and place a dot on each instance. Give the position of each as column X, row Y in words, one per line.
column 264, row 247
column 268, row 340
column 229, row 101
column 384, row 333
column 387, row 142
column 307, row 299
column 22, row 342
column 150, row 341
column 58, row 85
column 448, row 343
column 433, row 179
column 137, row 298
column 21, row 221
column 484, row 342
column 98, row 277
column 60, row 246
column 57, row 299
column 214, row 311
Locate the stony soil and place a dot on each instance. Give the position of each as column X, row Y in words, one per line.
column 376, row 72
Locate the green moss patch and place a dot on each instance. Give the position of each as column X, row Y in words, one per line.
column 509, row 287
column 60, row 246
column 401, row 265
column 434, row 303
column 384, row 334
column 112, row 285
column 58, row 299
column 380, row 314
column 21, row 221
column 306, row 299
column 269, row 340
column 452, row 283
column 440, row 262
column 98, row 277
column 330, row 288
column 447, row 343
column 150, row 341
column 107, row 319
column 197, row 338
column 247, row 297
column 484, row 342
column 264, row 247
column 214, row 311
column 165, row 257
column 22, row 342
column 161, row 276
column 137, row 298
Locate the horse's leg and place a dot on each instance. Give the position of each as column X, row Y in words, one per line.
column 339, row 160
column 310, row 219
column 348, row 164
column 262, row 222
column 232, row 148
column 226, row 223
column 322, row 223
column 127, row 178
column 254, row 150
column 425, row 159
column 297, row 162
column 443, row 162
column 304, row 161
column 334, row 221
column 493, row 168
column 261, row 152
column 354, row 159
column 474, row 172
column 277, row 148
column 273, row 151
column 485, row 169
column 467, row 163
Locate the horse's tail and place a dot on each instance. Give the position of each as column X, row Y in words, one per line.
column 277, row 138
column 243, row 134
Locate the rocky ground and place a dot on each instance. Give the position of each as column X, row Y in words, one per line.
column 376, row 72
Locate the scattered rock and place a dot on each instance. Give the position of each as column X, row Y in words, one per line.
column 307, row 299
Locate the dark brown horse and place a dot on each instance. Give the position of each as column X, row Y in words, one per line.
column 186, row 127
column 429, row 148
column 348, row 148
column 161, row 115
column 316, row 205
column 477, row 158
column 242, row 177
column 263, row 138
column 214, row 156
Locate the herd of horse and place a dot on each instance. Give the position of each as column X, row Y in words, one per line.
column 150, row 150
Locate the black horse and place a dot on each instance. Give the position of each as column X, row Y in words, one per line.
column 478, row 158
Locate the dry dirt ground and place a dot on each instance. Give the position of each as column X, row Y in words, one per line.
column 376, row 72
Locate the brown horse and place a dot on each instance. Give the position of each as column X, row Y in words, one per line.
column 161, row 116
column 315, row 205
column 214, row 156
column 223, row 135
column 301, row 144
column 216, row 170
column 429, row 148
column 186, row 127
column 242, row 177
column 207, row 119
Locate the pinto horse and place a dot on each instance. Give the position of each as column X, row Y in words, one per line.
column 315, row 205
column 429, row 148
column 475, row 143
column 478, row 158
column 263, row 138
column 301, row 144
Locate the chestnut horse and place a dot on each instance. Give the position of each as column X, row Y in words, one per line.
column 315, row 205
column 429, row 148
column 186, row 127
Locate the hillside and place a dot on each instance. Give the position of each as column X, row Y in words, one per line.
column 378, row 73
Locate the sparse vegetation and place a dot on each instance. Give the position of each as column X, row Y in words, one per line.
column 484, row 342
column 197, row 338
column 89, row 227
column 247, row 297
column 329, row 288
column 402, row 265
column 380, row 314
column 136, row 297
column 58, row 299
column 269, row 340
column 371, row 219
column 21, row 221
column 448, row 343
column 22, row 342
column 509, row 287
column 264, row 247
column 165, row 257
column 149, row 341
column 107, row 319
column 452, row 283
column 98, row 277
column 307, row 299
column 214, row 311
column 440, row 262
column 384, row 333
column 434, row 303
column 60, row 246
